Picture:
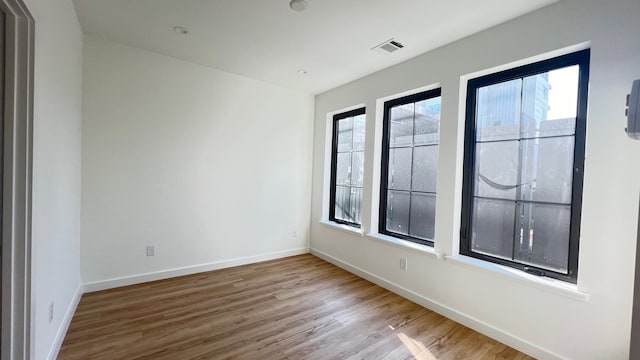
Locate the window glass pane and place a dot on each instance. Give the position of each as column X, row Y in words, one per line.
column 401, row 125
column 547, row 171
column 427, row 122
column 398, row 211
column 496, row 172
column 524, row 139
column 423, row 215
column 498, row 111
column 357, row 168
column 356, row 205
column 342, row 202
column 358, row 132
column 343, row 169
column 347, row 167
column 345, row 134
column 412, row 164
column 400, row 169
column 549, row 103
column 493, row 227
column 535, row 103
column 425, row 167
column 543, row 240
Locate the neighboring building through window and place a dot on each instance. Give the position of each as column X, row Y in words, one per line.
column 523, row 162
column 347, row 166
column 409, row 167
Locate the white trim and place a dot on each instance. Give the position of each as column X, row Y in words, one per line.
column 331, row 114
column 453, row 314
column 521, row 62
column 410, row 92
column 188, row 270
column 341, row 227
column 390, row 240
column 64, row 326
column 515, row 275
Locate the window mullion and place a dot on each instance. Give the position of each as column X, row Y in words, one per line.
column 518, row 231
column 413, row 147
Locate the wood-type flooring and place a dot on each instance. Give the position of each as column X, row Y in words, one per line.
column 298, row 307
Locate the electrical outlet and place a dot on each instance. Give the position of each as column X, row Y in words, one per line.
column 294, row 234
column 403, row 264
column 151, row 250
column 51, row 312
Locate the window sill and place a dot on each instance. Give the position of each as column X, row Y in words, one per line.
column 425, row 249
column 344, row 228
column 548, row 284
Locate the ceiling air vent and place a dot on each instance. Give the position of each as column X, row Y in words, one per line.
column 387, row 47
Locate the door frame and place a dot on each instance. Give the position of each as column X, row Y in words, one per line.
column 17, row 149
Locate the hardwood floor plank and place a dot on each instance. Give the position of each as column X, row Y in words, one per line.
column 299, row 307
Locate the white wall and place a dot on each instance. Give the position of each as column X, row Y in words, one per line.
column 56, row 171
column 635, row 323
column 207, row 166
column 537, row 319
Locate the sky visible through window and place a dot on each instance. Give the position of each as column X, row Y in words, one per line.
column 563, row 95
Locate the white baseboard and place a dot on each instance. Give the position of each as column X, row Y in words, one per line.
column 188, row 270
column 453, row 314
column 64, row 325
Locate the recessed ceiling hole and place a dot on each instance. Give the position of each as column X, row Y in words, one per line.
column 181, row 30
column 298, row 5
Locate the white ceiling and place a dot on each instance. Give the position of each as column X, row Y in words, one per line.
column 266, row 40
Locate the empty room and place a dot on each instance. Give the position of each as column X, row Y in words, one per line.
column 320, row 179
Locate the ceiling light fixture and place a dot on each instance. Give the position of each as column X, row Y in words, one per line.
column 181, row 30
column 298, row 5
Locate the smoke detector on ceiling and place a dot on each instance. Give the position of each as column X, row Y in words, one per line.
column 387, row 47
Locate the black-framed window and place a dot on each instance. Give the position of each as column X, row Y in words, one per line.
column 523, row 166
column 347, row 167
column 408, row 182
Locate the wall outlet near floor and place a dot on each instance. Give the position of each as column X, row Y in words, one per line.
column 51, row 312
column 151, row 250
column 294, row 234
column 403, row 264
